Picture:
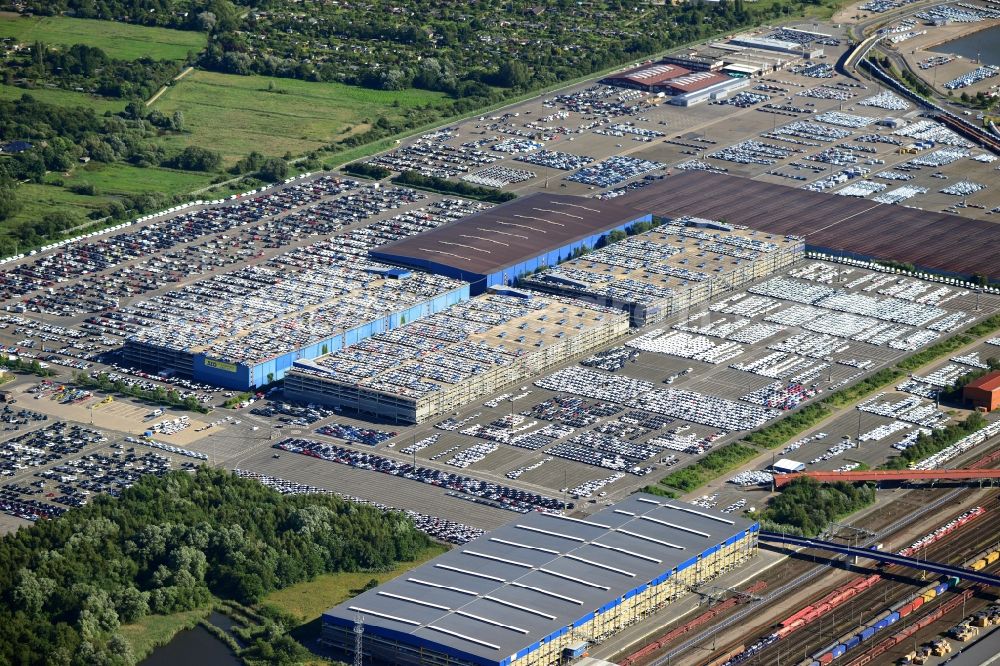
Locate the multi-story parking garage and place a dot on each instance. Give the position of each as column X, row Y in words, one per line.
column 544, row 587
column 446, row 360
column 675, row 266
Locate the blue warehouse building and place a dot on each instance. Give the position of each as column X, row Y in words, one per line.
column 243, row 375
column 261, row 352
column 497, row 246
column 543, row 588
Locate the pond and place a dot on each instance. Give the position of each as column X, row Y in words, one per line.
column 194, row 647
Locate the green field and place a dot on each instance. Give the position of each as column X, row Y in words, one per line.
column 238, row 114
column 118, row 40
column 62, row 97
column 307, row 601
column 127, row 179
column 37, row 200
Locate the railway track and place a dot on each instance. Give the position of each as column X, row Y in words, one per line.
column 898, row 584
column 934, row 500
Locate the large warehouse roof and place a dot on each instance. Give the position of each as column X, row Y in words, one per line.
column 509, row 234
column 935, row 241
column 650, row 75
column 697, row 81
column 518, row 584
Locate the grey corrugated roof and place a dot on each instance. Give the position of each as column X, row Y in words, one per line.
column 506, row 235
column 541, row 572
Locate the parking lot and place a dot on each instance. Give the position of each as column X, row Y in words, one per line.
column 582, row 433
column 816, row 126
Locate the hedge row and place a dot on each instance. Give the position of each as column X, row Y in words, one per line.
column 714, row 464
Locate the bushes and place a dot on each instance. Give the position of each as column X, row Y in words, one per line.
column 159, row 396
column 928, row 445
column 435, row 184
column 864, row 387
column 714, row 464
column 984, row 327
column 781, row 431
column 21, row 365
column 660, row 491
column 373, row 171
column 809, row 506
column 196, row 158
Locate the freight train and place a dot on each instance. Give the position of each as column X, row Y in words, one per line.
column 839, row 596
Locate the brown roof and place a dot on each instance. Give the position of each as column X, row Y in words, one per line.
column 988, row 382
column 511, row 233
column 651, row 75
column 933, row 241
column 697, row 81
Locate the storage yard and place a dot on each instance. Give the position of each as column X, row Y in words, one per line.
column 688, row 261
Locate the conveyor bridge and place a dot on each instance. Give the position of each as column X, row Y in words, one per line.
column 900, row 475
column 881, row 556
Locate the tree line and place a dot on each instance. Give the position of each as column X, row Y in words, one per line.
column 170, row 544
column 88, row 68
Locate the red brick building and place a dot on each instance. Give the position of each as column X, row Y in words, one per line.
column 984, row 392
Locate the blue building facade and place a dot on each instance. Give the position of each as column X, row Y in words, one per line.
column 243, row 376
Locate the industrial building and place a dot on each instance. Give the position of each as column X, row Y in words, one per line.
column 702, row 86
column 838, row 226
column 695, row 61
column 686, row 87
column 498, row 245
column 434, row 365
column 543, row 588
column 650, row 77
column 777, row 45
column 984, row 393
column 675, row 266
column 246, row 329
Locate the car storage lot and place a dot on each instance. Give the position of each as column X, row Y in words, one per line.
column 244, row 440
column 488, row 454
column 280, row 219
column 580, row 122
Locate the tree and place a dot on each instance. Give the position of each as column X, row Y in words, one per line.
column 131, row 604
column 9, row 203
column 196, row 158
column 206, row 21
column 512, row 74
column 135, row 110
column 177, row 121
column 273, row 169
column 32, row 591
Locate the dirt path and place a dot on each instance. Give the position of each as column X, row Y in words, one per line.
column 151, row 100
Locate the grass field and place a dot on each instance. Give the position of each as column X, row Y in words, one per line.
column 307, row 601
column 127, row 179
column 37, row 200
column 153, row 631
column 237, row 114
column 61, row 97
column 118, row 40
